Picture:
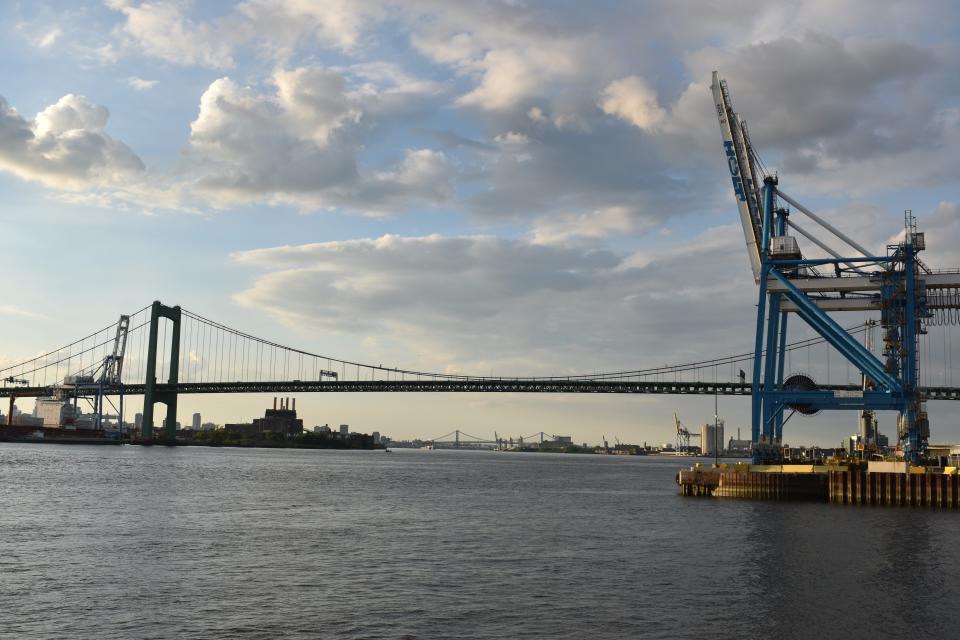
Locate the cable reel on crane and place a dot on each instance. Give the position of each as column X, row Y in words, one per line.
column 801, row 382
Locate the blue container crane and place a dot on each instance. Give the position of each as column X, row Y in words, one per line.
column 898, row 285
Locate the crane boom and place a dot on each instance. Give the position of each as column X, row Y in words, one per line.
column 736, row 144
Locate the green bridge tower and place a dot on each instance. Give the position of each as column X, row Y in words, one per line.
column 152, row 395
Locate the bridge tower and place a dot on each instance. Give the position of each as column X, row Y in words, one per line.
column 152, row 395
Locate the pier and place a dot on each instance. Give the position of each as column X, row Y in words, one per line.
column 853, row 483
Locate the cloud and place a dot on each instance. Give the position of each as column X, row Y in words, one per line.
column 472, row 303
column 252, row 148
column 507, row 78
column 560, row 112
column 12, row 310
column 65, row 147
column 299, row 145
column 140, row 84
column 315, row 101
column 632, row 100
column 594, row 225
column 334, row 23
column 840, row 113
column 161, row 30
column 49, row 38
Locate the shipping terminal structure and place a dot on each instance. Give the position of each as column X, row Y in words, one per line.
column 905, row 293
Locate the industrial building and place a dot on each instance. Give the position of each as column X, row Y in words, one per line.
column 711, row 438
column 558, row 443
column 55, row 412
column 283, row 420
column 737, row 447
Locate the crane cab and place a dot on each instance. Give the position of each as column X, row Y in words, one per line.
column 784, row 248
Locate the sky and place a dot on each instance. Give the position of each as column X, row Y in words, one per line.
column 503, row 187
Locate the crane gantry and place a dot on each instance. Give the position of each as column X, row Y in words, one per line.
column 898, row 285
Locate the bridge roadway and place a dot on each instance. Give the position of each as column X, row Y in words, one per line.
column 476, row 385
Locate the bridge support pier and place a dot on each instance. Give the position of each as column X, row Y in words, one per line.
column 152, row 395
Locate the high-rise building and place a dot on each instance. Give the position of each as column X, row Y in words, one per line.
column 376, row 437
column 344, row 429
column 138, row 421
column 196, row 422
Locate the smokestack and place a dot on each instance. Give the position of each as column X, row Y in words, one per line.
column 274, row 403
column 294, row 404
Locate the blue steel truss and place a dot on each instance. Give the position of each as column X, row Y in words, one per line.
column 892, row 385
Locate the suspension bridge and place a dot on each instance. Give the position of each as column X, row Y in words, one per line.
column 161, row 352
column 193, row 354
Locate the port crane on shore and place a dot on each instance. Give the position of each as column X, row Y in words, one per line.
column 897, row 284
column 683, row 435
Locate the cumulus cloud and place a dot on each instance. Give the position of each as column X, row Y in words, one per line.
column 299, row 145
column 66, row 146
column 244, row 137
column 571, row 110
column 165, row 30
column 335, row 23
column 507, row 77
column 633, row 100
column 161, row 30
column 315, row 101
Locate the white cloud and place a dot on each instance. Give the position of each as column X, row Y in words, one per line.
column 575, row 111
column 633, row 100
column 65, row 147
column 248, row 149
column 508, row 76
column 299, row 146
column 161, row 30
column 315, row 101
column 334, row 23
column 594, row 225
column 140, row 84
column 49, row 38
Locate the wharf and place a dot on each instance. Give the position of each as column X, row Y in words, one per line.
column 884, row 483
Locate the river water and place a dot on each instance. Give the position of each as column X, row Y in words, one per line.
column 140, row 542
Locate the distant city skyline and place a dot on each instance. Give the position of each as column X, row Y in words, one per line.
column 497, row 188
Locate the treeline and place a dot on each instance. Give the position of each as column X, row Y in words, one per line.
column 308, row 440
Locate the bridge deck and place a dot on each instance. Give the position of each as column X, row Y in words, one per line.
column 488, row 385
